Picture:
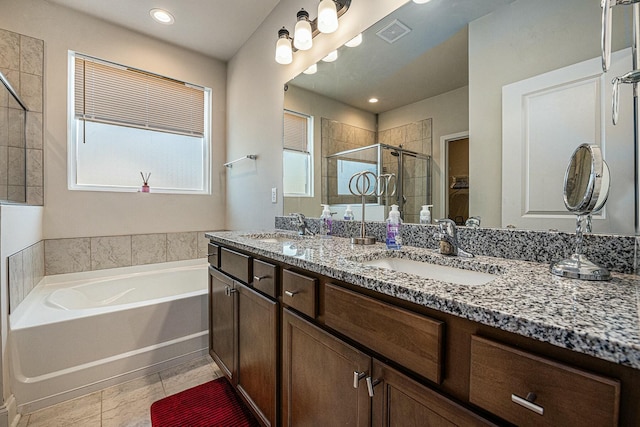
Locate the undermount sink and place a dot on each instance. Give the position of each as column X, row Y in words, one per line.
column 427, row 270
column 276, row 237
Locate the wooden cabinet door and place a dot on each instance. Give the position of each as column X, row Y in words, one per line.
column 222, row 322
column 401, row 401
column 318, row 378
column 257, row 352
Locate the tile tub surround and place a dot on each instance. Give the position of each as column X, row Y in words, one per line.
column 616, row 253
column 599, row 319
column 57, row 256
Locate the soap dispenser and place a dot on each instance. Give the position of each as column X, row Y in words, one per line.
column 326, row 222
column 425, row 214
column 348, row 214
column 394, row 226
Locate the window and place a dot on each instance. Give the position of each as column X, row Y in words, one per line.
column 125, row 122
column 297, row 155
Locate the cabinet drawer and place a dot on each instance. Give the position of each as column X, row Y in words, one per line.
column 299, row 292
column 264, row 277
column 235, row 264
column 407, row 338
column 213, row 254
column 503, row 377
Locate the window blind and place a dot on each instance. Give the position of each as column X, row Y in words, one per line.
column 295, row 132
column 108, row 93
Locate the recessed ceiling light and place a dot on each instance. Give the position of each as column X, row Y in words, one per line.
column 373, row 100
column 162, row 16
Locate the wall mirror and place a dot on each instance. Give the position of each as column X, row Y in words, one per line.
column 440, row 78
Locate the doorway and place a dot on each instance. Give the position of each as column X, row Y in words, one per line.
column 454, row 189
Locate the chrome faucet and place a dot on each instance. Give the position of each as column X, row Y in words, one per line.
column 473, row 222
column 300, row 222
column 448, row 237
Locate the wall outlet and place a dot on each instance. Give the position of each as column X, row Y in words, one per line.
column 274, row 195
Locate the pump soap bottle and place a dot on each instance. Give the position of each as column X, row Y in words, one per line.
column 326, row 222
column 425, row 214
column 348, row 214
column 394, row 226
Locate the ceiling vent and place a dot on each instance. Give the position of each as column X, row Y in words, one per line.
column 393, row 32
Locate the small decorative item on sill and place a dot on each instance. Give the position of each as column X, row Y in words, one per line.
column 145, row 182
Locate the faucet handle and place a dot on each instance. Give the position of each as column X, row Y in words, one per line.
column 447, row 226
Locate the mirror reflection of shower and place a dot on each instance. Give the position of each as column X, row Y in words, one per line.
column 410, row 170
column 13, row 187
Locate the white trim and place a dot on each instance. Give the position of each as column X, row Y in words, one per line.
column 444, row 168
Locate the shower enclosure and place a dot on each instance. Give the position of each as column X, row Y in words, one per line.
column 408, row 172
column 13, row 151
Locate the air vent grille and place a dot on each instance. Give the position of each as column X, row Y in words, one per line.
column 393, row 32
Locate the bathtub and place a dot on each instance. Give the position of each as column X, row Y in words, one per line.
column 80, row 332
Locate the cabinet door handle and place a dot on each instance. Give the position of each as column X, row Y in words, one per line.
column 259, row 278
column 228, row 291
column 528, row 403
column 357, row 376
column 371, row 383
column 290, row 294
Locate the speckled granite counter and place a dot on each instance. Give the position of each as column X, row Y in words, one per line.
column 601, row 319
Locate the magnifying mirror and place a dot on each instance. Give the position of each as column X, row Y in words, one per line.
column 586, row 189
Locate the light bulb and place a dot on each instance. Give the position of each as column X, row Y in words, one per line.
column 284, row 53
column 327, row 17
column 162, row 16
column 312, row 69
column 302, row 36
column 421, row 1
column 354, row 41
column 332, row 56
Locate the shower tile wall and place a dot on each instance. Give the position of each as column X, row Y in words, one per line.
column 22, row 62
column 336, row 137
column 417, row 137
column 57, row 256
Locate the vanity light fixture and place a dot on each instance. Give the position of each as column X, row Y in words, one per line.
column 284, row 52
column 302, row 35
column 312, row 69
column 327, row 22
column 162, row 16
column 332, row 56
column 356, row 41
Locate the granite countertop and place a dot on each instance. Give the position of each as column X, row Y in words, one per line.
column 601, row 319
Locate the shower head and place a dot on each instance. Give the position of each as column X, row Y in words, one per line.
column 395, row 153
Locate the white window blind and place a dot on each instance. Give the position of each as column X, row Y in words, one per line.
column 296, row 133
column 113, row 94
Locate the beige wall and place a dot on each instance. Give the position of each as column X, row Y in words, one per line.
column 254, row 106
column 85, row 213
column 519, row 41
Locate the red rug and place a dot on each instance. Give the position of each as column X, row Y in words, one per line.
column 212, row 404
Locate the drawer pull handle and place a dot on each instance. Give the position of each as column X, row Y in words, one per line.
column 228, row 291
column 371, row 383
column 357, row 376
column 290, row 294
column 528, row 403
column 259, row 278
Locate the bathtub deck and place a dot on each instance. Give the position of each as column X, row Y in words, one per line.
column 125, row 404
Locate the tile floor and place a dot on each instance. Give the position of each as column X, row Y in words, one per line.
column 127, row 404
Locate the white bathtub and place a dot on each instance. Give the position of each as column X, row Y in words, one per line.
column 80, row 332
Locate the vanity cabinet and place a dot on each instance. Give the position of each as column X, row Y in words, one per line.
column 529, row 390
column 310, row 350
column 244, row 332
column 399, row 400
column 318, row 377
column 223, row 322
